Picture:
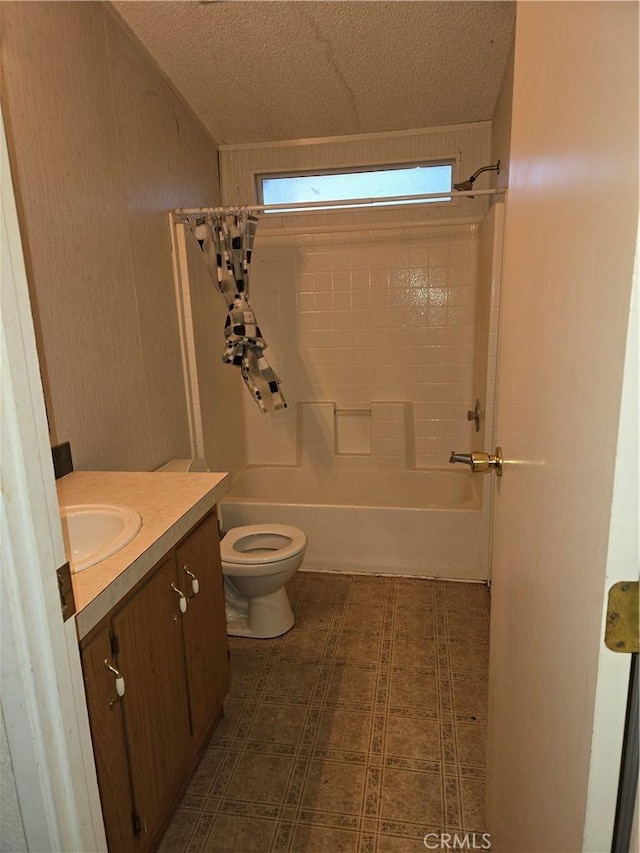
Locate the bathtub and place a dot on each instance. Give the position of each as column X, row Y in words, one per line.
column 425, row 523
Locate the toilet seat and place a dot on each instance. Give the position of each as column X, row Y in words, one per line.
column 261, row 544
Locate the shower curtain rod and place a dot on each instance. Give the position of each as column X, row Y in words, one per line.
column 338, row 205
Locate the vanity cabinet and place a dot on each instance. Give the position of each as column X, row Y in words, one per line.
column 168, row 642
column 109, row 746
column 205, row 638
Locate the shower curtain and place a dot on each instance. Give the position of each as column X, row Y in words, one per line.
column 226, row 240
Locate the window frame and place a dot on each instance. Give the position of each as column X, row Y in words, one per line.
column 260, row 177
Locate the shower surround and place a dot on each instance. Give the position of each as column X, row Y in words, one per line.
column 377, row 333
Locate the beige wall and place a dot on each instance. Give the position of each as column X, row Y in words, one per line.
column 102, row 148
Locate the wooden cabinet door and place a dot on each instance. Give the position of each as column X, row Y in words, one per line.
column 109, row 744
column 156, row 713
column 204, row 625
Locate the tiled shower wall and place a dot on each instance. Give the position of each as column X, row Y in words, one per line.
column 371, row 314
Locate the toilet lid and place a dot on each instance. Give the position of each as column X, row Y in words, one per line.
column 261, row 543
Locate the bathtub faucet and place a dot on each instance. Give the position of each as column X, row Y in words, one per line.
column 478, row 461
column 465, row 458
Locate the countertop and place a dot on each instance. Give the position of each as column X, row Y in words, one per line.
column 170, row 505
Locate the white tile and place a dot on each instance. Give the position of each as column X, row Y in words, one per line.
column 341, row 300
column 323, row 281
column 306, row 301
column 324, row 301
column 323, row 262
column 305, row 283
column 305, row 264
column 341, row 261
column 379, row 279
column 343, row 320
column 342, row 281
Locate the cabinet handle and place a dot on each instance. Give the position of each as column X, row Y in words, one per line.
column 183, row 598
column 119, row 677
column 195, row 583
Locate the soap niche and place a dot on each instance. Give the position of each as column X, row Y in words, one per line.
column 353, row 431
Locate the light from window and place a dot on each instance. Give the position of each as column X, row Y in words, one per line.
column 345, row 186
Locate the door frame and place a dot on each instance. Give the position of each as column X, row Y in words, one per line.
column 622, row 564
column 50, row 763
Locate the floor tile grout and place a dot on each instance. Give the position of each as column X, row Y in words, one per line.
column 330, row 735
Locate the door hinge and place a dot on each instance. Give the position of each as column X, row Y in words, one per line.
column 621, row 632
column 114, row 642
column 65, row 589
column 137, row 823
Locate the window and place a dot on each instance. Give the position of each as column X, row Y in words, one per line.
column 364, row 183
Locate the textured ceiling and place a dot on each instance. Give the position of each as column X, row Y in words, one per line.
column 265, row 70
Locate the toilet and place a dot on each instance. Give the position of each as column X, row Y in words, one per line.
column 257, row 561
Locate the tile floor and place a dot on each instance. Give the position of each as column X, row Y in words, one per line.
column 359, row 731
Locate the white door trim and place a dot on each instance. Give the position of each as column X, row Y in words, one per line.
column 43, row 700
column 622, row 564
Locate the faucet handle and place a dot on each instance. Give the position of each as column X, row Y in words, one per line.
column 479, row 461
column 474, row 415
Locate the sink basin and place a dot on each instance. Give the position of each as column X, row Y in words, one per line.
column 93, row 532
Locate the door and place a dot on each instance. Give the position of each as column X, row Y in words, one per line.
column 204, row 624
column 110, row 750
column 570, row 240
column 156, row 714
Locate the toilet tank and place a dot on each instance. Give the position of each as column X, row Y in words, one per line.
column 185, row 466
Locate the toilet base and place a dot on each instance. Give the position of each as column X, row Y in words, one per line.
column 263, row 617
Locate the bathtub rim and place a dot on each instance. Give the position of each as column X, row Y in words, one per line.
column 472, row 505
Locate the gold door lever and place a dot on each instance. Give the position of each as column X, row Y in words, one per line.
column 479, row 461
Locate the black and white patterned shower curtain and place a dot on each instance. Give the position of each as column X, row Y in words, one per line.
column 226, row 239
